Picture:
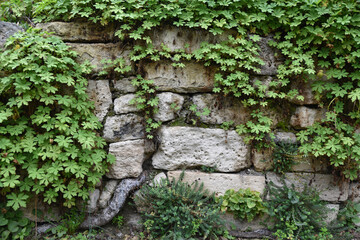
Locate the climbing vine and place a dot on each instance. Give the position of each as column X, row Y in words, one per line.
column 318, row 41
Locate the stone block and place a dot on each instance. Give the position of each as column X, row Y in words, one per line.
column 194, row 77
column 333, row 212
column 123, row 127
column 99, row 92
column 157, row 179
column 262, row 159
column 96, row 52
column 124, row 85
column 305, row 117
column 122, row 104
column 7, row 30
column 169, row 106
column 323, row 183
column 218, row 183
column 186, row 147
column 107, row 192
column 309, row 164
column 79, row 31
column 234, row 224
column 92, row 202
column 222, row 109
column 176, row 38
column 305, row 90
column 45, row 212
column 288, row 137
column 130, row 156
column 267, row 54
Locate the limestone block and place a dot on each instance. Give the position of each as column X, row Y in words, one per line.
column 176, row 38
column 79, row 31
column 262, row 159
column 130, row 156
column 7, row 30
column 123, row 85
column 99, row 93
column 107, row 192
column 222, row 109
column 123, row 127
column 45, row 212
column 333, row 212
column 305, row 90
column 157, row 179
column 96, row 52
column 309, row 164
column 234, row 224
column 305, row 117
column 267, row 54
column 169, row 106
column 194, row 77
column 93, row 199
column 285, row 137
column 122, row 104
column 323, row 183
column 184, row 147
column 218, row 183
column 354, row 192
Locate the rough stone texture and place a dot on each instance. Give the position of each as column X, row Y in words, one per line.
column 7, row 30
column 166, row 111
column 45, row 212
column 305, row 90
column 285, row 137
column 235, row 224
column 332, row 214
column 123, row 127
column 220, row 182
column 124, row 85
column 262, row 159
column 309, row 165
column 157, row 179
column 79, row 31
column 267, row 54
column 321, row 182
column 354, row 192
column 122, row 104
column 305, row 117
column 93, row 199
column 96, row 52
column 190, row 147
column 175, row 38
column 194, row 77
column 222, row 109
column 130, row 156
column 99, row 92
column 107, row 192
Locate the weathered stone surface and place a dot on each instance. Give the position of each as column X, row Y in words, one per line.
column 220, row 182
column 323, row 183
column 157, row 179
column 93, row 199
column 332, row 214
column 176, row 38
column 124, row 85
column 194, row 77
column 96, row 52
column 305, row 90
column 7, row 30
column 222, row 109
column 79, row 31
column 169, row 106
column 99, row 93
column 123, row 127
column 45, row 213
column 130, row 156
column 354, row 192
column 122, row 104
column 288, row 137
column 305, row 117
column 267, row 54
column 262, row 159
column 235, row 224
column 189, row 147
column 107, row 192
column 309, row 165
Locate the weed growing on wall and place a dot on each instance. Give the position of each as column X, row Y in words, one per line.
column 48, row 143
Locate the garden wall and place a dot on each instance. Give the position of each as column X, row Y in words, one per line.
column 189, row 139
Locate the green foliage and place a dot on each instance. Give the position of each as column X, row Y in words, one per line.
column 118, row 221
column 196, row 113
column 345, row 225
column 176, row 210
column 283, row 156
column 12, row 224
column 48, row 142
column 317, row 39
column 297, row 215
column 244, row 204
column 208, row 169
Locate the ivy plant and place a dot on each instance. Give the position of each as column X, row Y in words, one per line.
column 48, row 140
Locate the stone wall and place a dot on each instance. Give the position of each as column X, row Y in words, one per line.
column 179, row 143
